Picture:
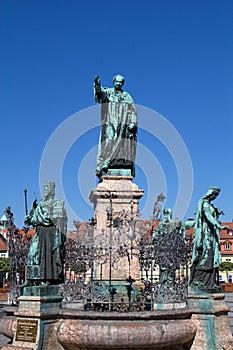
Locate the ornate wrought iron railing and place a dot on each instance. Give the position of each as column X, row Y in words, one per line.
column 18, row 247
column 162, row 262
column 151, row 270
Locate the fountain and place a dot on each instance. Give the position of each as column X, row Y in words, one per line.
column 132, row 288
column 108, row 308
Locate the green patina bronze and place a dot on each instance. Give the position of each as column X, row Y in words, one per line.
column 170, row 239
column 118, row 137
column 47, row 251
column 206, row 256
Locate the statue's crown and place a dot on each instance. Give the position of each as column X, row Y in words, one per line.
column 214, row 189
column 50, row 183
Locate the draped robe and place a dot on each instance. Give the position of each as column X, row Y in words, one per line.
column 47, row 250
column 206, row 256
column 118, row 137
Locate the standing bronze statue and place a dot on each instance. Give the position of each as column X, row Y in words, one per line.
column 118, row 137
column 47, row 251
column 206, row 256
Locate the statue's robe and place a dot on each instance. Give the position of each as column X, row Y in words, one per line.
column 117, row 143
column 47, row 250
column 206, row 256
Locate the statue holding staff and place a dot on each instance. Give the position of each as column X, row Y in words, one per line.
column 47, row 251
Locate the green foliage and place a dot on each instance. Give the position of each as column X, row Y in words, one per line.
column 4, row 264
column 79, row 268
column 226, row 266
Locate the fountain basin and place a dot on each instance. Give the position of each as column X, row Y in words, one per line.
column 171, row 329
column 97, row 331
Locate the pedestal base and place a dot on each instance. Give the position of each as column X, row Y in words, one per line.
column 36, row 318
column 209, row 313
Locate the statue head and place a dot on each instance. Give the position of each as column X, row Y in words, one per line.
column 213, row 192
column 49, row 190
column 167, row 213
column 214, row 189
column 118, row 81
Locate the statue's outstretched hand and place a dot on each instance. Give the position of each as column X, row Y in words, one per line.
column 225, row 227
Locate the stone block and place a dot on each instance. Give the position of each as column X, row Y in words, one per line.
column 209, row 313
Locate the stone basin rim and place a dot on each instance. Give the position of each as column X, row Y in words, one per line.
column 141, row 315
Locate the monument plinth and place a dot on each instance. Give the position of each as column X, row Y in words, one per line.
column 36, row 316
column 125, row 196
column 116, row 207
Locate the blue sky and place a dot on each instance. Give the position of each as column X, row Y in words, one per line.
column 176, row 57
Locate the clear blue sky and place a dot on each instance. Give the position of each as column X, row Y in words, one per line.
column 177, row 59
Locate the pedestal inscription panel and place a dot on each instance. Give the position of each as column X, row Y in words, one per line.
column 26, row 330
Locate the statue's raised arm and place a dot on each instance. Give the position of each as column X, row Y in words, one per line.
column 97, row 81
column 97, row 89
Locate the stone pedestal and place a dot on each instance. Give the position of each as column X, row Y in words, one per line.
column 116, row 202
column 35, row 319
column 209, row 313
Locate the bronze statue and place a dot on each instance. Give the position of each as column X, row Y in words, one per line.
column 47, row 251
column 168, row 238
column 117, row 144
column 206, row 256
column 157, row 210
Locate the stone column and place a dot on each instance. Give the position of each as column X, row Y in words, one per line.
column 116, row 198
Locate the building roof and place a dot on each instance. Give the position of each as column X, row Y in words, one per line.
column 147, row 224
column 80, row 231
column 3, row 240
column 3, row 244
column 3, row 218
